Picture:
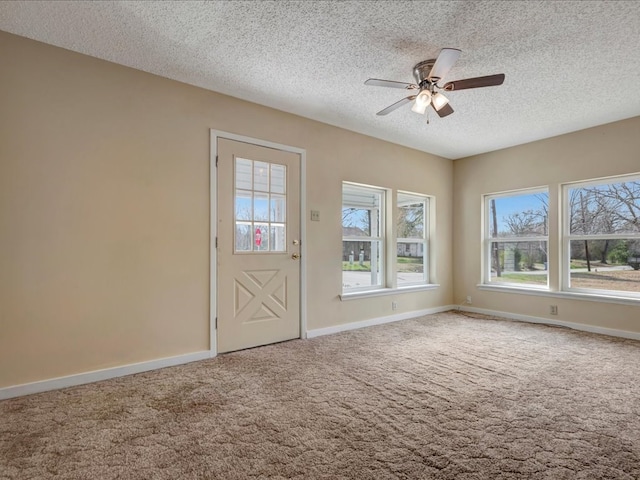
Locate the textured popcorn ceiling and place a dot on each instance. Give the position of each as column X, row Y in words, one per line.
column 569, row 65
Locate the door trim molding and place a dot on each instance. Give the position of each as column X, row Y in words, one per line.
column 213, row 179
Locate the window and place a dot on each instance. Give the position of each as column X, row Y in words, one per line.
column 411, row 239
column 516, row 239
column 362, row 237
column 369, row 242
column 260, row 206
column 601, row 241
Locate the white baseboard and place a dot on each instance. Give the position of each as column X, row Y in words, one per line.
column 107, row 373
column 376, row 321
column 547, row 321
column 97, row 375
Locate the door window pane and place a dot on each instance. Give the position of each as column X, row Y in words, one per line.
column 243, row 237
column 278, row 178
column 278, row 208
column 261, row 176
column 260, row 206
column 244, row 170
column 261, row 237
column 277, row 239
column 243, row 205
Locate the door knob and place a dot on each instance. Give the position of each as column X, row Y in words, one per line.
column 295, row 256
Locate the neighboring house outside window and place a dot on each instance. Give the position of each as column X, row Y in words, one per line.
column 516, row 239
column 601, row 237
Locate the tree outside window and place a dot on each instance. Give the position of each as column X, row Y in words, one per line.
column 602, row 237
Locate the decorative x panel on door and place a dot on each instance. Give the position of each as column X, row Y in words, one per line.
column 260, row 295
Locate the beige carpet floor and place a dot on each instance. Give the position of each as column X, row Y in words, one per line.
column 443, row 396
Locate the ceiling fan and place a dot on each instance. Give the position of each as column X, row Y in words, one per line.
column 427, row 74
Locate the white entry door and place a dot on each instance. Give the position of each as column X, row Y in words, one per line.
column 258, row 269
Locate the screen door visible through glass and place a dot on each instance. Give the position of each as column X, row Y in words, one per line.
column 260, row 206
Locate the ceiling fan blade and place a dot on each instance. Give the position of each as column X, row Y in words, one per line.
column 398, row 104
column 444, row 111
column 376, row 82
column 488, row 81
column 444, row 62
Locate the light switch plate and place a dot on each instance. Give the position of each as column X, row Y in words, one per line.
column 315, row 215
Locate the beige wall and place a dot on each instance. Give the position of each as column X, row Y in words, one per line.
column 608, row 150
column 104, row 211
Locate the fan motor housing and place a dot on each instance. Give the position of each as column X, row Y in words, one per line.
column 421, row 70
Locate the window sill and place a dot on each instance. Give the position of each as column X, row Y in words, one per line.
column 500, row 287
column 590, row 297
column 388, row 291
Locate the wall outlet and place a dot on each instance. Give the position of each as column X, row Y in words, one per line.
column 315, row 215
column 394, row 305
column 468, row 300
column 553, row 309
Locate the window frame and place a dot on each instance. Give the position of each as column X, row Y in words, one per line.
column 252, row 223
column 388, row 245
column 378, row 274
column 426, row 235
column 488, row 240
column 567, row 237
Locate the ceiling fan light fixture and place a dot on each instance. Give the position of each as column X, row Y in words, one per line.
column 428, row 74
column 422, row 102
column 439, row 100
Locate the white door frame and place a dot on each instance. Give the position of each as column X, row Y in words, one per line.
column 213, row 253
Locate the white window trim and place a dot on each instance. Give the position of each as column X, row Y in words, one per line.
column 487, row 240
